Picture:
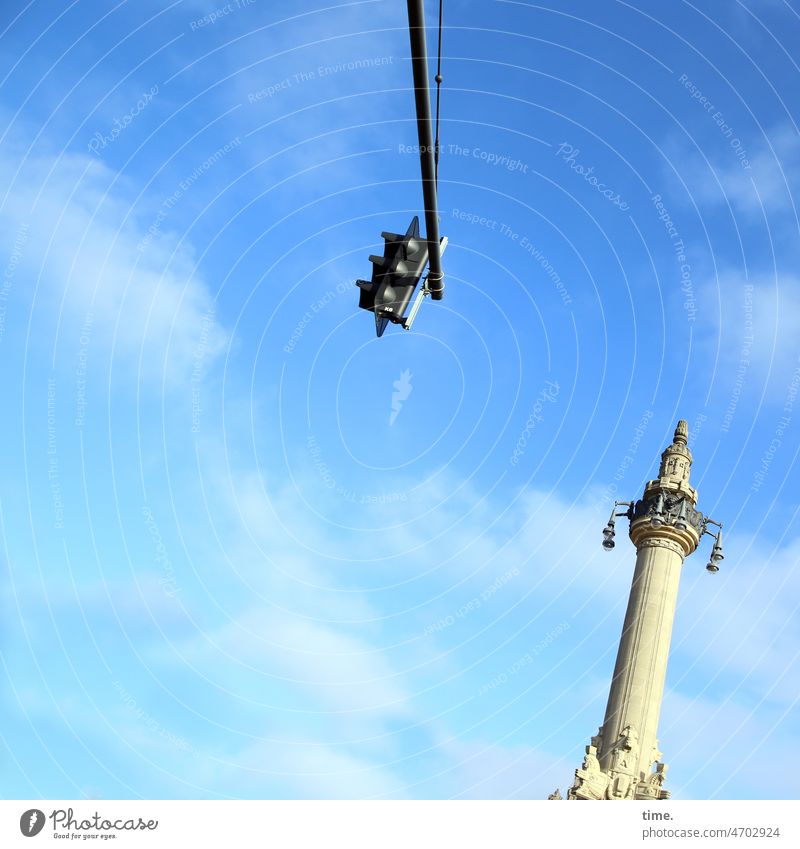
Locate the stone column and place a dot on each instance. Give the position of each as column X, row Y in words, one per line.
column 623, row 761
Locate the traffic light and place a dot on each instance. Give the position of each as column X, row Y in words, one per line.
column 394, row 277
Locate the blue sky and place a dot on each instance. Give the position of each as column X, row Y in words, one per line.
column 232, row 566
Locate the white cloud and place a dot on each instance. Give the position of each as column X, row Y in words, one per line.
column 727, row 750
column 768, row 187
column 150, row 308
column 750, row 328
column 484, row 770
column 303, row 768
column 339, row 671
column 742, row 629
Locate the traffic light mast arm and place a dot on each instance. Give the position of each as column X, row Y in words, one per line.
column 419, row 62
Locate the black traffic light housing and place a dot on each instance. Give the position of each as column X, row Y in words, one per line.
column 394, row 277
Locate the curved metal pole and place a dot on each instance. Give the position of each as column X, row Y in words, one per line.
column 419, row 63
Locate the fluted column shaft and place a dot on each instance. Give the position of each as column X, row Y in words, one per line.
column 641, row 668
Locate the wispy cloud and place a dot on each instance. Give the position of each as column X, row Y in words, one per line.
column 768, row 188
column 749, row 327
column 150, row 307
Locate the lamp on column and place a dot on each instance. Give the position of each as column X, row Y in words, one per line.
column 716, row 552
column 609, row 530
column 680, row 521
column 658, row 512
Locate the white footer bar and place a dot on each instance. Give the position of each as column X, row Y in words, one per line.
column 406, row 824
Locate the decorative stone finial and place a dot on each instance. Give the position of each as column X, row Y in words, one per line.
column 677, row 458
column 666, row 516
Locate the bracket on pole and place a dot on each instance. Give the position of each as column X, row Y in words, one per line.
column 423, row 292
